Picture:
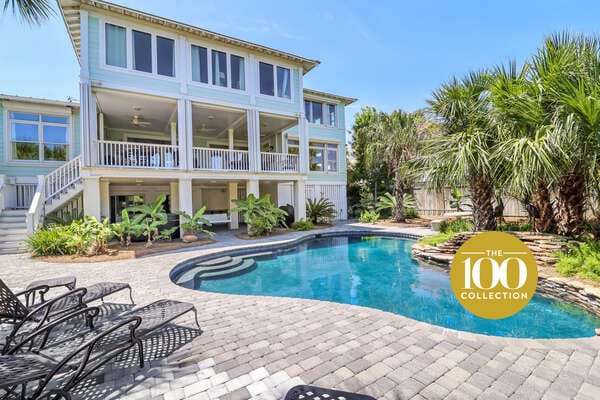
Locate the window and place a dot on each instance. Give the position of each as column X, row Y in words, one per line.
column 293, row 146
column 267, row 84
column 39, row 137
column 165, row 56
column 313, row 111
column 142, row 51
column 219, row 68
column 199, row 64
column 283, row 82
column 323, row 157
column 238, row 80
column 331, row 115
column 116, row 45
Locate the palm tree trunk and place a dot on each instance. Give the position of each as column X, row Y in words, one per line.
column 483, row 210
column 399, row 193
column 571, row 198
column 541, row 200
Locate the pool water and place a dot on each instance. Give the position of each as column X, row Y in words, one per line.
column 380, row 273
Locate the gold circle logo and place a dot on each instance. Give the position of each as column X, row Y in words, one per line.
column 493, row 275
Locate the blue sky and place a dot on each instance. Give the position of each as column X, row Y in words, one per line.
column 389, row 54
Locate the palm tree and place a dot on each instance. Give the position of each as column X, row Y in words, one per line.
column 526, row 131
column 395, row 140
column 462, row 155
column 32, row 11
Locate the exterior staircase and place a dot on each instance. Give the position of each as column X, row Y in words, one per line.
column 214, row 269
column 13, row 231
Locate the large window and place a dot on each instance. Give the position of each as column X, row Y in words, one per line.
column 142, row 51
column 238, row 80
column 267, row 82
column 219, row 68
column 199, row 64
column 293, row 146
column 39, row 137
column 116, row 45
column 165, row 56
column 314, row 113
column 323, row 157
column 283, row 83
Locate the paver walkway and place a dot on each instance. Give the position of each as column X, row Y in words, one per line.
column 258, row 347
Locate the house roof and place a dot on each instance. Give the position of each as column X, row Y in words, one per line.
column 70, row 13
column 35, row 100
column 316, row 93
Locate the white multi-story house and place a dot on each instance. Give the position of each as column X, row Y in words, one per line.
column 166, row 107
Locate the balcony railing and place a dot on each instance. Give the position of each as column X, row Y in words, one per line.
column 137, row 155
column 220, row 159
column 279, row 162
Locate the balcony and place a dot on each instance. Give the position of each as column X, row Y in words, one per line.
column 278, row 162
column 137, row 155
column 208, row 159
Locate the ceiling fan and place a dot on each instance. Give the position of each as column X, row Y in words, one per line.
column 138, row 120
column 203, row 128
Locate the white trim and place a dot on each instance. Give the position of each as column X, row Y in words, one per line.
column 275, row 64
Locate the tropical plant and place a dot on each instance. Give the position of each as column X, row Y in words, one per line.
column 149, row 218
column 462, row 155
column 582, row 259
column 195, row 224
column 32, row 11
column 388, row 202
column 456, row 225
column 260, row 214
column 396, row 140
column 369, row 217
column 303, row 225
column 98, row 234
column 458, row 201
column 54, row 240
column 65, row 218
column 320, row 211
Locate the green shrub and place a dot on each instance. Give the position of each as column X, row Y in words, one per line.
column 387, row 203
column 54, row 240
column 147, row 220
column 195, row 224
column 369, row 217
column 456, row 225
column 321, row 211
column 303, row 225
column 411, row 213
column 434, row 240
column 260, row 214
column 582, row 260
column 514, row 226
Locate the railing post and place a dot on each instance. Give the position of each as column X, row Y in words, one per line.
column 2, row 191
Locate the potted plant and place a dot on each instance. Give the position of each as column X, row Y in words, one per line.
column 192, row 226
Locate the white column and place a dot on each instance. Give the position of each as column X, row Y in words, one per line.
column 181, row 134
column 303, row 145
column 185, row 196
column 253, row 140
column 174, row 133
column 252, row 187
column 174, row 193
column 230, row 138
column 93, row 115
column 85, row 93
column 104, row 199
column 233, row 194
column 300, row 200
column 101, row 136
column 2, row 197
column 91, row 196
column 189, row 132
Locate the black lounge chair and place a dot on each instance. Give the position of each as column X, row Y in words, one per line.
column 66, row 361
column 13, row 310
column 306, row 392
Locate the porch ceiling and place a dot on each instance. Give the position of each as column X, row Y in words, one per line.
column 214, row 122
column 119, row 110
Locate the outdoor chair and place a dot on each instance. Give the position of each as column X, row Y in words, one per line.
column 58, row 360
column 305, row 392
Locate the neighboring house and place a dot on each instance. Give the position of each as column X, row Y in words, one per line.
column 171, row 108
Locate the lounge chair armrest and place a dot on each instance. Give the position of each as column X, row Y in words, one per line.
column 89, row 313
column 30, row 294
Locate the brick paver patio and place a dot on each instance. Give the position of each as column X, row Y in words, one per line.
column 258, row 347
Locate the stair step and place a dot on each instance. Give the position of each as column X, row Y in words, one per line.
column 12, row 239
column 216, row 261
column 209, row 266
column 245, row 266
column 13, row 232
column 232, row 263
column 13, row 218
column 13, row 213
column 12, row 225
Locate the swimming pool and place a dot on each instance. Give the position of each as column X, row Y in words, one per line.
column 380, row 273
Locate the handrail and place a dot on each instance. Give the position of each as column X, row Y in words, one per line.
column 62, row 177
column 220, row 159
column 137, row 155
column 36, row 210
column 279, row 162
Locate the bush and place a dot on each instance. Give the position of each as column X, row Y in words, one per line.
column 369, row 217
column 303, row 225
column 582, row 259
column 260, row 214
column 54, row 240
column 387, row 202
column 321, row 211
column 411, row 213
column 434, row 240
column 456, row 225
column 514, row 226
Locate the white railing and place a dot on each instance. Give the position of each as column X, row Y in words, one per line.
column 220, row 159
column 25, row 193
column 279, row 162
column 36, row 210
column 2, row 191
column 62, row 177
column 137, row 155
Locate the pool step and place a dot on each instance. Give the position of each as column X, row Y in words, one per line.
column 246, row 264
column 216, row 261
